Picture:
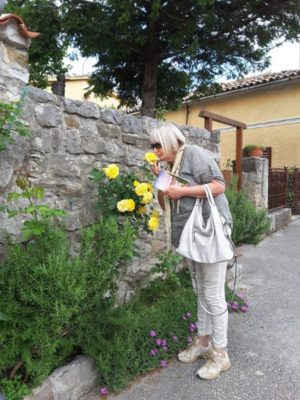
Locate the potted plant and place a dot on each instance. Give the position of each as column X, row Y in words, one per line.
column 253, row 150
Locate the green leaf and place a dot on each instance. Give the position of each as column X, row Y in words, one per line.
column 97, row 175
column 36, row 192
column 32, row 228
column 14, row 196
column 13, row 213
column 3, row 317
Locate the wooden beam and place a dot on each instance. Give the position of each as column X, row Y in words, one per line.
column 208, row 123
column 238, row 155
column 209, row 117
column 219, row 118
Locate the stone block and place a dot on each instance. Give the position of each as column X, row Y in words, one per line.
column 38, row 95
column 111, row 116
column 72, row 141
column 136, row 140
column 94, row 146
column 109, row 131
column 85, row 109
column 279, row 219
column 6, row 173
column 70, row 382
column 192, row 132
column 72, row 122
column 132, row 124
column 48, row 116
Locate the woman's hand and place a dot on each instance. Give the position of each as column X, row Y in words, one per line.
column 174, row 191
column 155, row 168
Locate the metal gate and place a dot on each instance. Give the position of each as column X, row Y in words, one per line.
column 284, row 188
column 293, row 197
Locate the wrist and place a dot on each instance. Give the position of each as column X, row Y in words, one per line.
column 182, row 191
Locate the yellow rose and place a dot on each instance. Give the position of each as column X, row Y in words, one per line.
column 141, row 210
column 153, row 224
column 141, row 189
column 126, row 205
column 112, row 171
column 150, row 157
column 136, row 183
column 150, row 187
column 147, row 198
column 155, row 214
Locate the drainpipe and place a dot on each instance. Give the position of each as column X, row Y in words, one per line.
column 187, row 114
column 58, row 87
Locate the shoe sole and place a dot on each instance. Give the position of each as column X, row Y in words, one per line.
column 224, row 369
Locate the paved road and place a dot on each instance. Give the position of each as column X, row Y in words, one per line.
column 264, row 344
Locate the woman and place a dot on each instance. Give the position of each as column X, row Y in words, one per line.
column 198, row 167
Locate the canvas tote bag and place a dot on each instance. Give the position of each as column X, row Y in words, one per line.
column 206, row 243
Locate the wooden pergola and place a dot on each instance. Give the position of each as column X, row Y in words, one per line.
column 209, row 117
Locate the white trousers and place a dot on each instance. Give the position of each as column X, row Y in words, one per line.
column 209, row 285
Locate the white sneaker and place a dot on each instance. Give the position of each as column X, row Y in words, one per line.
column 219, row 362
column 195, row 351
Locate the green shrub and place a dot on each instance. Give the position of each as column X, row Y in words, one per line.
column 39, row 294
column 14, row 389
column 249, row 224
column 48, row 296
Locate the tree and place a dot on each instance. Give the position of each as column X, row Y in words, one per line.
column 47, row 52
column 158, row 51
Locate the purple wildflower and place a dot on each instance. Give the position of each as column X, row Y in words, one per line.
column 104, row 391
column 152, row 333
column 164, row 342
column 158, row 342
column 165, row 349
column 153, row 352
column 189, row 339
column 175, row 338
column 164, row 363
column 189, row 314
column 245, row 307
column 192, row 327
column 234, row 306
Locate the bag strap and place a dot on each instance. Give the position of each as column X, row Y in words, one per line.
column 209, row 195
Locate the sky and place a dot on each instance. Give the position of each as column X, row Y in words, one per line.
column 283, row 58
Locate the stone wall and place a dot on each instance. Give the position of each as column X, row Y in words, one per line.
column 70, row 138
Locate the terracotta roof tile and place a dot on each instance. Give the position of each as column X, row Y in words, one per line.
column 246, row 83
column 259, row 79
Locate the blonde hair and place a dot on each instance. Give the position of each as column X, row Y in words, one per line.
column 169, row 136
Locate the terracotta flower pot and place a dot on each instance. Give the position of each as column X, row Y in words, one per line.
column 227, row 175
column 255, row 153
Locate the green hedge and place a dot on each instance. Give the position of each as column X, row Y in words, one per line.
column 250, row 225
